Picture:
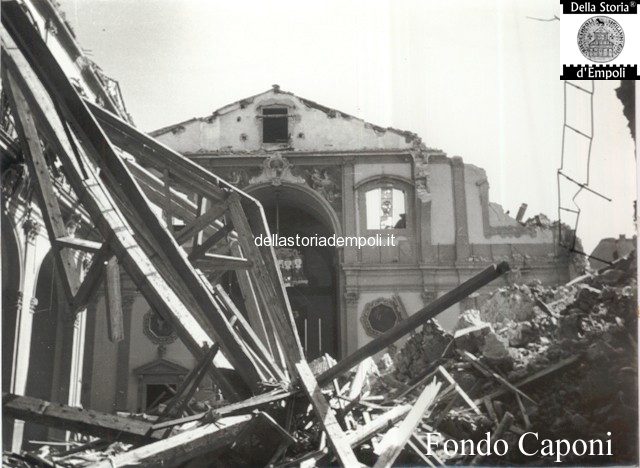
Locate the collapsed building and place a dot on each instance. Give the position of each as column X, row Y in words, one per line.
column 132, row 283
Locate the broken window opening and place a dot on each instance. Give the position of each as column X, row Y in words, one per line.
column 275, row 125
column 385, row 208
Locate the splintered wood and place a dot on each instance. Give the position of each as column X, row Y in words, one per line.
column 274, row 410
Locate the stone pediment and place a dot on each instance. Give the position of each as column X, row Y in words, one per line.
column 161, row 367
column 311, row 127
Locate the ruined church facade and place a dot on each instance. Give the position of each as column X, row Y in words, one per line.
column 320, row 171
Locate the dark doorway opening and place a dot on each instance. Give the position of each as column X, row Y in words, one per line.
column 314, row 300
column 158, row 394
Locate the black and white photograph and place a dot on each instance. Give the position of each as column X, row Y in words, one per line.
column 319, row 233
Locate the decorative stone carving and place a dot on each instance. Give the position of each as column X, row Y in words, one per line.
column 352, row 297
column 157, row 329
column 73, row 224
column 275, row 170
column 13, row 178
column 382, row 314
column 31, row 228
column 326, row 181
column 33, row 303
column 19, row 300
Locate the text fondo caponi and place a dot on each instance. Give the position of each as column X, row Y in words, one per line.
column 529, row 444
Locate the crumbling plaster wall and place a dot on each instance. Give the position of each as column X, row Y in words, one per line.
column 475, row 180
column 238, row 128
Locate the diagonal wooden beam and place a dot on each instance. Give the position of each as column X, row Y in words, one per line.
column 182, row 447
column 107, row 216
column 47, row 199
column 192, row 228
column 395, row 442
column 75, row 419
column 277, row 310
column 202, row 249
column 154, row 154
column 335, row 436
column 92, row 278
column 250, row 335
column 191, row 301
column 415, row 320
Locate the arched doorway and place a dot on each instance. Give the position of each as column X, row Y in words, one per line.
column 295, row 211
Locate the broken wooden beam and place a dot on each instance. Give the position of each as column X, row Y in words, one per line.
column 537, row 375
column 415, row 320
column 394, row 442
column 85, row 421
column 185, row 446
column 41, row 178
column 335, row 436
column 92, row 278
column 113, row 301
column 79, row 244
column 198, row 224
column 239, row 407
column 170, row 283
column 504, row 425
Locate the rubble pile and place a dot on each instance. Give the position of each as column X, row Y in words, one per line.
column 586, row 327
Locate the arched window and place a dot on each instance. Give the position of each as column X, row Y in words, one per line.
column 384, row 205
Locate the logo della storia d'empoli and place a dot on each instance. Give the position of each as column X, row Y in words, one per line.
column 600, row 39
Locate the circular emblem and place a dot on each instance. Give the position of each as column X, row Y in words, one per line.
column 157, row 329
column 600, row 39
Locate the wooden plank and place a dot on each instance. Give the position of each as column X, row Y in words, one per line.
column 41, row 177
column 232, row 409
column 363, row 369
column 153, row 188
column 257, row 321
column 188, row 386
column 395, row 443
column 201, row 250
column 180, row 448
column 166, row 212
column 415, row 320
column 85, row 421
column 418, row 452
column 523, row 410
column 277, row 310
column 505, row 424
column 538, row 375
column 378, row 424
column 170, row 263
column 113, row 301
column 475, row 362
column 92, row 278
column 79, row 244
column 105, row 214
column 222, row 262
column 198, row 224
column 459, row 389
column 335, row 435
column 250, row 336
column 154, row 154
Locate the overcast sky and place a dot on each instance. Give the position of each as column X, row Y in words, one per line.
column 474, row 78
